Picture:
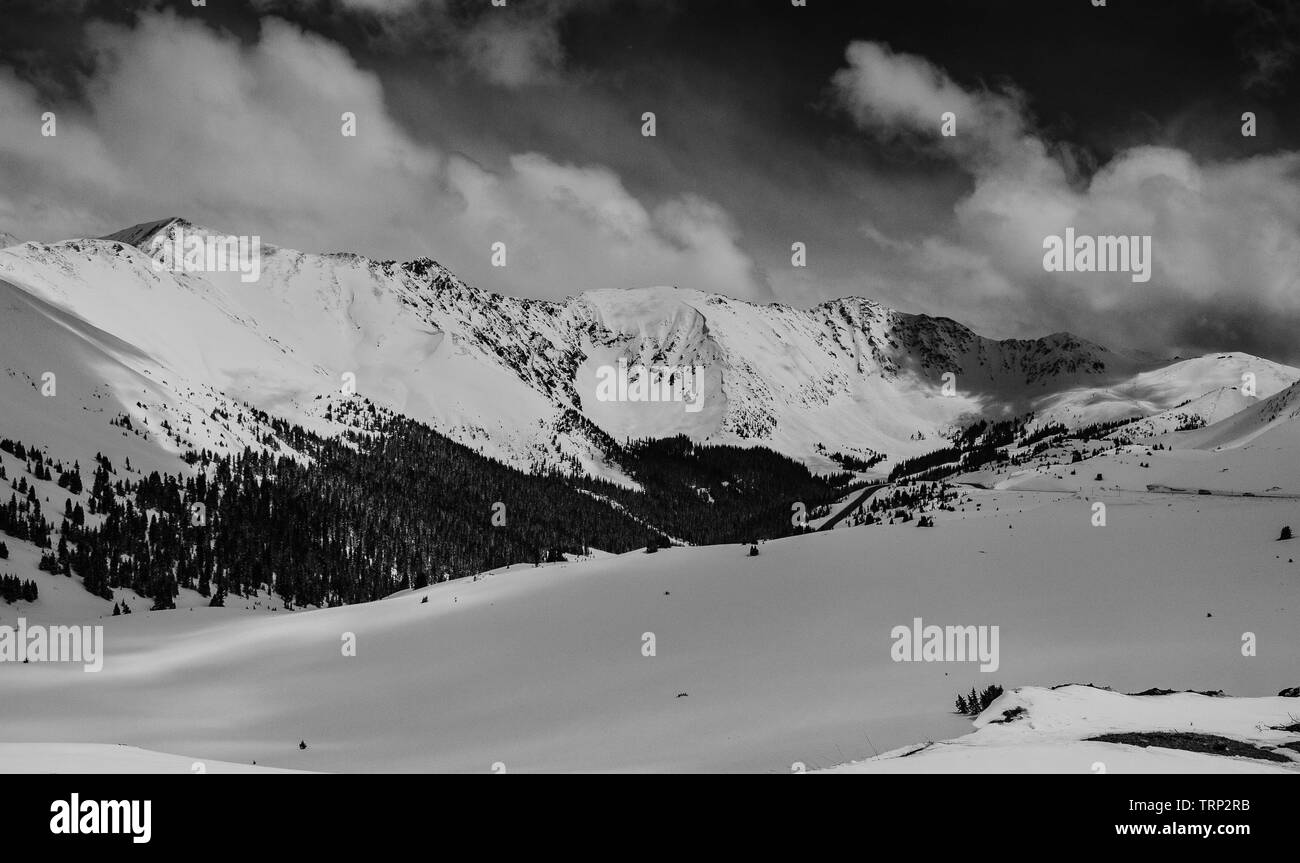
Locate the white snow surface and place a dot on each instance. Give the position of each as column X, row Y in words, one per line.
column 1053, row 733
column 79, row 758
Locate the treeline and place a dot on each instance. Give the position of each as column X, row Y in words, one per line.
column 14, row 589
column 369, row 514
column 917, row 464
column 979, row 443
column 1097, row 431
column 991, row 434
column 854, row 462
column 1042, row 433
column 716, row 493
column 897, row 502
column 363, row 515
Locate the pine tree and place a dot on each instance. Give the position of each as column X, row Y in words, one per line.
column 990, row 695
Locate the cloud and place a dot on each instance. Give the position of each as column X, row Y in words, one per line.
column 898, row 95
column 514, row 45
column 181, row 119
column 515, row 52
column 575, row 225
column 1225, row 234
column 1268, row 37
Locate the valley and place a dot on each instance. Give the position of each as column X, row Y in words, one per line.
column 385, row 455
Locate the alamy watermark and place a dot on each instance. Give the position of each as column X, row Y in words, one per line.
column 919, row 643
column 99, row 817
column 39, row 643
column 1085, row 254
column 208, row 253
column 642, row 383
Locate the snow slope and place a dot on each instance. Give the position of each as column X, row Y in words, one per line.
column 63, row 380
column 1213, row 407
column 759, row 662
column 1274, row 416
column 285, row 343
column 81, row 758
column 1167, row 387
column 1053, row 733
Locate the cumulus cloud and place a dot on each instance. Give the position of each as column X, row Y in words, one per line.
column 901, row 95
column 1225, row 235
column 180, row 119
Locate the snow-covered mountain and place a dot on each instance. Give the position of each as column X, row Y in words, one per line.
column 518, row 378
column 1274, row 418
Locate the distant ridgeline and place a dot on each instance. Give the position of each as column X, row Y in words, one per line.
column 370, row 513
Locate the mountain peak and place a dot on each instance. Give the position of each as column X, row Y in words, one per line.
column 143, row 234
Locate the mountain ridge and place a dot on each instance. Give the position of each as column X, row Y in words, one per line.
column 505, row 374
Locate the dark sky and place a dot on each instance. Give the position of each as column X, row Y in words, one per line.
column 776, row 124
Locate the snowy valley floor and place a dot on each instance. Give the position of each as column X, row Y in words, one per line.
column 760, row 662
